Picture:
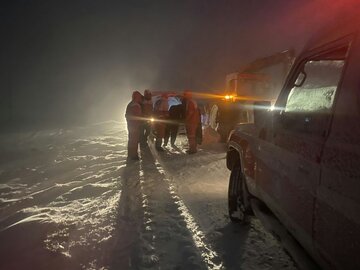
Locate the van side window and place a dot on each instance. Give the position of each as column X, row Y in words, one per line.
column 311, row 94
column 315, row 87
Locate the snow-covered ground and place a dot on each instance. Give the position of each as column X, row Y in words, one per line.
column 69, row 200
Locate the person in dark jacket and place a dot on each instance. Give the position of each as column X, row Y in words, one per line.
column 148, row 111
column 161, row 112
column 133, row 117
column 176, row 113
column 191, row 120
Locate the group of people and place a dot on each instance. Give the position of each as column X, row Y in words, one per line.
column 143, row 116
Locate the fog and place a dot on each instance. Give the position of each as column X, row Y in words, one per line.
column 75, row 62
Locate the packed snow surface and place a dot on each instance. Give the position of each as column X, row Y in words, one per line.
column 69, row 200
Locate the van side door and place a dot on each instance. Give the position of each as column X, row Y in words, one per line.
column 337, row 211
column 301, row 123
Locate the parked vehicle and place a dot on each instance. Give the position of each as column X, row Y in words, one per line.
column 302, row 158
column 261, row 78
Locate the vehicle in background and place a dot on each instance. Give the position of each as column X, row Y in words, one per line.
column 173, row 97
column 302, row 158
column 260, row 80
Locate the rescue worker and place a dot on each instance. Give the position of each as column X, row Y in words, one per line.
column 176, row 113
column 147, row 110
column 161, row 112
column 133, row 118
column 191, row 121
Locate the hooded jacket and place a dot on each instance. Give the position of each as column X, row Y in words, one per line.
column 133, row 110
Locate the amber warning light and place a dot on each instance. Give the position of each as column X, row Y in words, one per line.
column 229, row 97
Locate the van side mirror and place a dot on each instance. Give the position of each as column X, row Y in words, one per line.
column 300, row 79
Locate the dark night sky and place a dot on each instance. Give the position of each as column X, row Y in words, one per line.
column 79, row 60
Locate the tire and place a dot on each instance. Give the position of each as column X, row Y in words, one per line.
column 238, row 197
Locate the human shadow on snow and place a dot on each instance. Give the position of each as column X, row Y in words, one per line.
column 128, row 214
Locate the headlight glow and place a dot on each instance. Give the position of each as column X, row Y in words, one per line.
column 229, row 97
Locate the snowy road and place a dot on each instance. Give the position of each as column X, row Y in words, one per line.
column 69, row 200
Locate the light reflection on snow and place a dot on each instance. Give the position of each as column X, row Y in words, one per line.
column 82, row 222
column 72, row 190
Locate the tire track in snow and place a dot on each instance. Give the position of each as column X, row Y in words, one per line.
column 166, row 242
column 207, row 258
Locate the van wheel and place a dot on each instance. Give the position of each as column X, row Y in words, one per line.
column 238, row 203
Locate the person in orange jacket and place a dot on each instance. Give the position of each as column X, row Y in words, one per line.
column 133, row 117
column 191, row 120
column 161, row 112
column 148, row 111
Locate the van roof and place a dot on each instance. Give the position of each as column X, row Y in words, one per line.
column 336, row 30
